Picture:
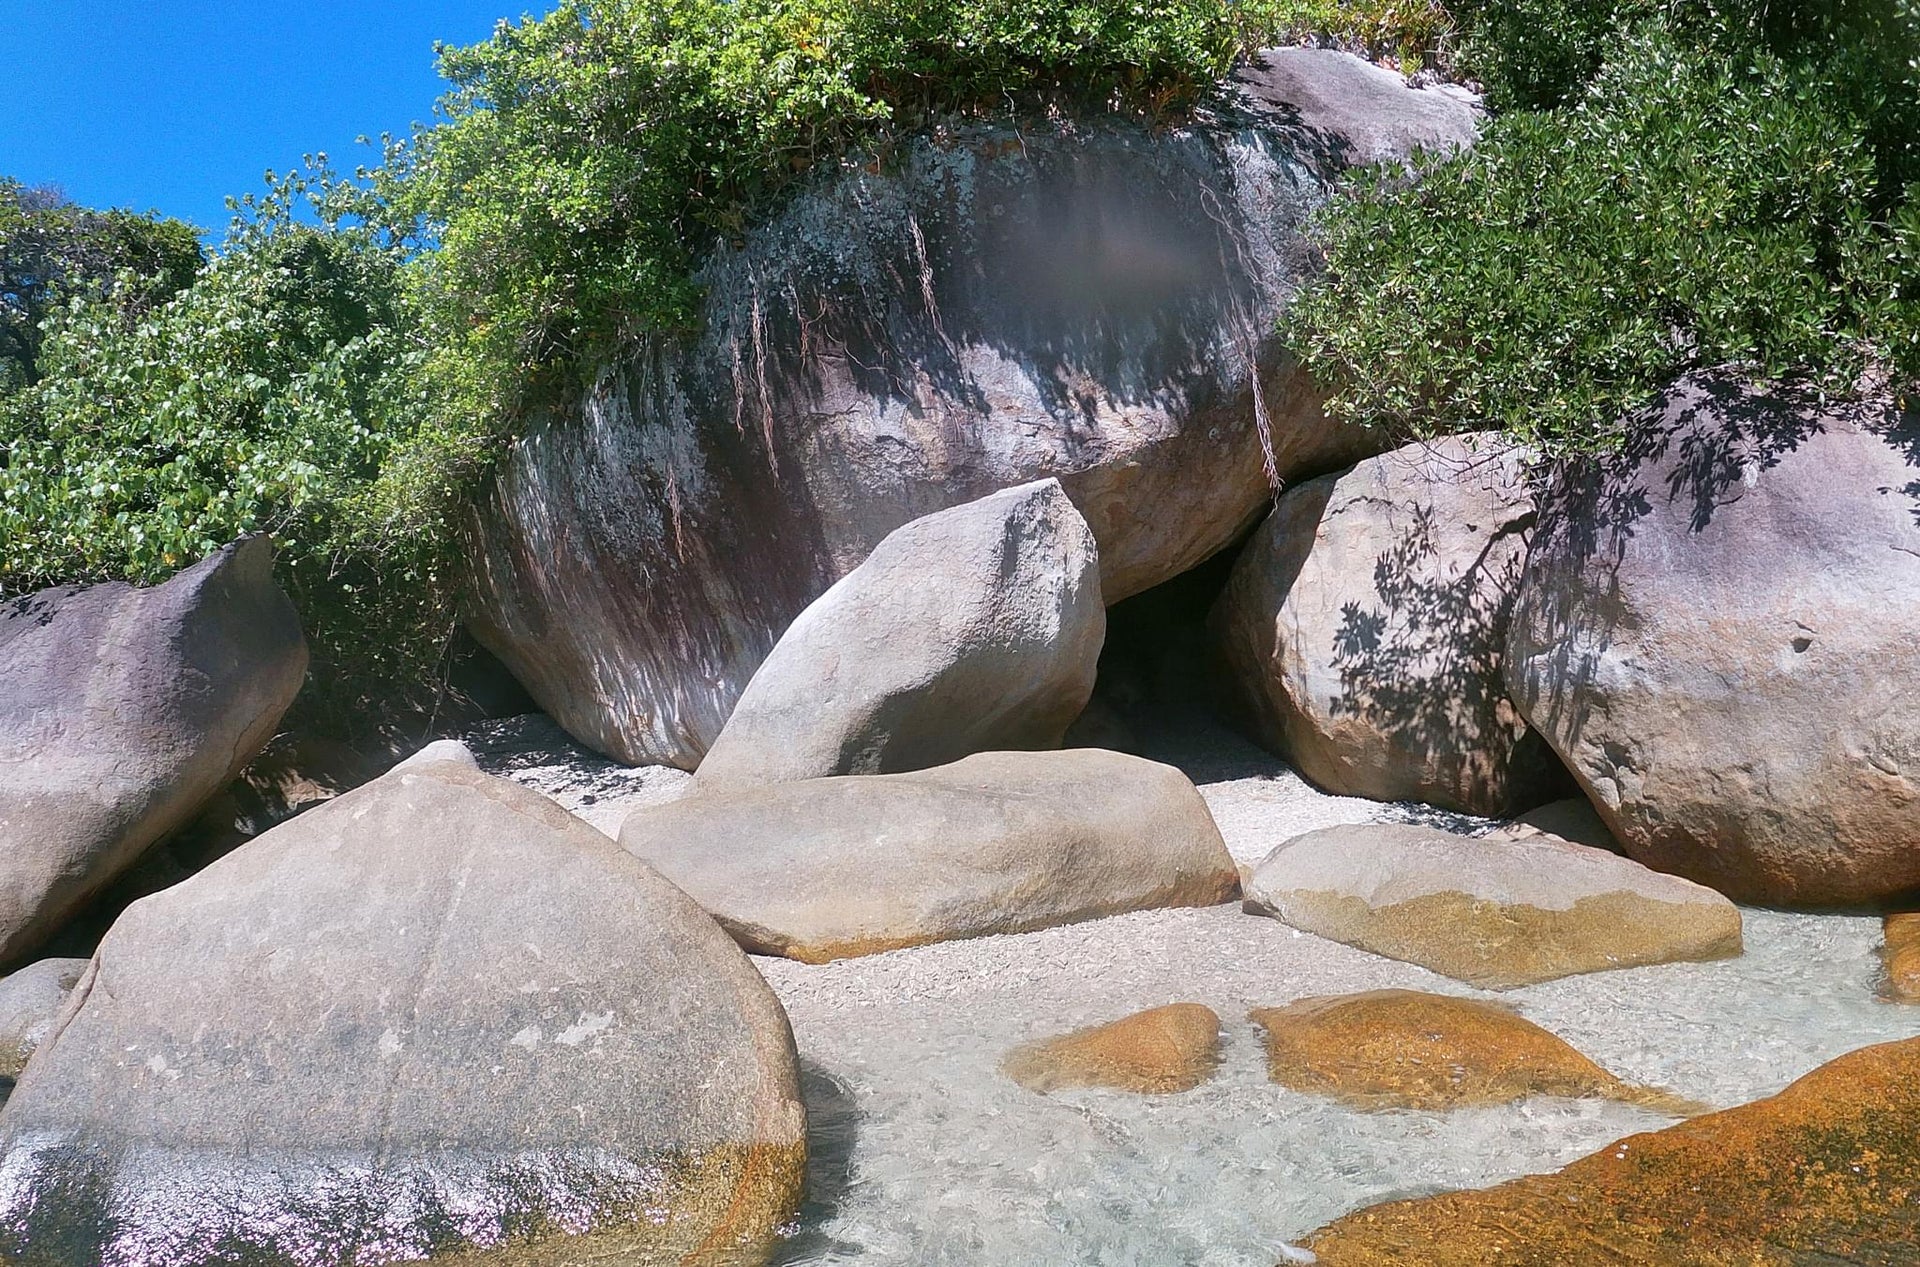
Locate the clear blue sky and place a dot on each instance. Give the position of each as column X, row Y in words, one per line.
column 174, row 104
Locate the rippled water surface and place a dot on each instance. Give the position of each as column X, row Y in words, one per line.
column 925, row 1154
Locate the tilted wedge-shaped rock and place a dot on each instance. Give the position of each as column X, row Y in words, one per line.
column 1717, row 632
column 970, row 630
column 1495, row 912
column 437, row 1017
column 1364, row 625
column 122, row 710
column 1002, row 842
column 1088, row 299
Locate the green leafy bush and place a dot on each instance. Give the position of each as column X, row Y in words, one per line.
column 1690, row 207
column 278, row 392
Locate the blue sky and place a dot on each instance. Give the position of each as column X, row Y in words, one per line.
column 174, row 104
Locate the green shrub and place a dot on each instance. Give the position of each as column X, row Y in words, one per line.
column 1690, row 208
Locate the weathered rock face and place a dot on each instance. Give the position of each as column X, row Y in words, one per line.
column 30, row 1002
column 1495, row 913
column 437, row 1017
column 1156, row 1052
column 1405, row 1049
column 1717, row 632
column 969, row 630
column 122, row 710
column 1364, row 625
column 1002, row 842
column 1824, row 1172
column 1091, row 301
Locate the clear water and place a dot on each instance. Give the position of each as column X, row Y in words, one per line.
column 924, row 1154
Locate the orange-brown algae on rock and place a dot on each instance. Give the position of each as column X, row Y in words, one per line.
column 1828, row 1171
column 1156, row 1052
column 1902, row 957
column 1406, row 1049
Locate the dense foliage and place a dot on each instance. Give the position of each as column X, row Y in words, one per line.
column 1696, row 185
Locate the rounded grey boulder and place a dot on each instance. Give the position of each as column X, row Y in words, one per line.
column 1002, row 842
column 1717, row 631
column 435, row 1018
column 1363, row 629
column 30, row 1001
column 122, row 710
column 967, row 630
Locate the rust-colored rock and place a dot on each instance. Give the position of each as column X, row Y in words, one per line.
column 1828, row 1171
column 1902, row 956
column 1406, row 1049
column 1156, row 1052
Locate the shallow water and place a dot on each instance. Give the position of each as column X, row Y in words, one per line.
column 925, row 1154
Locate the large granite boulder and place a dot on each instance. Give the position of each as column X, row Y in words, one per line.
column 1090, row 300
column 435, row 1018
column 1002, row 842
column 30, row 1001
column 1824, row 1172
column 1364, row 624
column 122, row 710
column 969, row 630
column 1716, row 631
column 1497, row 913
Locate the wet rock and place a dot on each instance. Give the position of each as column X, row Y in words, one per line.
column 122, row 711
column 970, row 630
column 1824, row 1172
column 437, row 1017
column 1364, row 626
column 1716, row 632
column 1087, row 299
column 1404, row 1049
column 30, row 1002
column 1002, row 842
column 1902, row 956
column 1156, row 1052
column 1495, row 913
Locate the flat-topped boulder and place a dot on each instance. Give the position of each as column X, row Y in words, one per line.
column 122, row 711
column 1716, row 631
column 1824, row 1172
column 1364, row 625
column 1496, row 913
column 436, row 1018
column 1156, row 1052
column 973, row 629
column 1407, row 1049
column 1001, row 842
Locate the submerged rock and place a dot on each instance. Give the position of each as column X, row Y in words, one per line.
column 1716, row 632
column 1902, row 957
column 1405, row 1049
column 435, row 1018
column 1824, row 1172
column 30, row 1002
column 969, row 630
column 1087, row 299
column 1156, row 1052
column 1002, row 842
column 1496, row 913
column 1364, row 625
column 122, row 711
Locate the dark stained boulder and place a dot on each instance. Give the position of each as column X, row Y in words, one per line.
column 1716, row 631
column 435, row 1018
column 122, row 711
column 1086, row 300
